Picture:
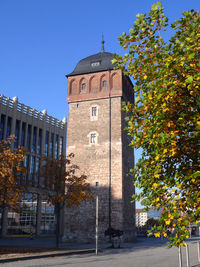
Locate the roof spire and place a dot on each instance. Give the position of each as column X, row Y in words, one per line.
column 102, row 44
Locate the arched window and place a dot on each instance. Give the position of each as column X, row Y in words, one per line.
column 73, row 87
column 115, row 81
column 83, row 85
column 94, row 87
column 104, row 84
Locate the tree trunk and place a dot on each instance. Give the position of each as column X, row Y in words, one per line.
column 4, row 221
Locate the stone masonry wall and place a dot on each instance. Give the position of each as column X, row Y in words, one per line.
column 93, row 159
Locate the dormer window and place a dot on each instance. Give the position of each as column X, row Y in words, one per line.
column 95, row 64
column 83, row 86
column 104, row 84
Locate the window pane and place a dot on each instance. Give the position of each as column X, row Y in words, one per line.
column 39, row 142
column 16, row 143
column 56, row 148
column 8, row 131
column 93, row 138
column 61, row 146
column 2, row 125
column 37, row 168
column 104, row 83
column 32, row 170
column 27, row 166
column 23, row 134
column 34, row 140
column 51, row 143
column 83, row 86
column 94, row 111
column 28, row 141
column 46, row 144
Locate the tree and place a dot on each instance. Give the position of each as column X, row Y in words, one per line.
column 11, row 170
column 165, row 119
column 65, row 185
column 151, row 222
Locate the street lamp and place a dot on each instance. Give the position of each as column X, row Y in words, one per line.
column 97, row 215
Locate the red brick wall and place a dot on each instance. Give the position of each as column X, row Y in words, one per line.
column 93, row 159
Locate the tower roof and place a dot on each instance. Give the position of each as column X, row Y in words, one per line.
column 95, row 63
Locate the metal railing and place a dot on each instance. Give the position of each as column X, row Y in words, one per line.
column 187, row 254
column 40, row 115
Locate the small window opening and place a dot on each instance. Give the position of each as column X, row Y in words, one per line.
column 95, row 64
column 94, row 111
column 83, row 86
column 104, row 84
column 93, row 138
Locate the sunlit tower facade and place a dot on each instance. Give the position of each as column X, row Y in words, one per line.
column 96, row 136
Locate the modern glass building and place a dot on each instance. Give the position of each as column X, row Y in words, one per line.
column 40, row 134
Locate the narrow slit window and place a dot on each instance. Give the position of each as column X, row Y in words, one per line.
column 94, row 111
column 93, row 138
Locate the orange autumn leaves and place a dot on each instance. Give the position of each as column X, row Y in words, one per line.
column 65, row 184
column 11, row 169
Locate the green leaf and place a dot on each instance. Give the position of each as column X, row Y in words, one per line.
column 189, row 79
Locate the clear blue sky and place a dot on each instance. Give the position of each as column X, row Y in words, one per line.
column 42, row 40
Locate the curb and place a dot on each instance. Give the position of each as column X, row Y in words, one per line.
column 54, row 254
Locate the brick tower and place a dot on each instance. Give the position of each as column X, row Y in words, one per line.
column 97, row 138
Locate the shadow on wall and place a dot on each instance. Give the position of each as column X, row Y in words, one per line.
column 80, row 221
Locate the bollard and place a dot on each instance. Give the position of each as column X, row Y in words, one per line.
column 180, row 256
column 187, row 255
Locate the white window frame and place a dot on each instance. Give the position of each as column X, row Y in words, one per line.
column 92, row 116
column 93, row 138
column 94, row 111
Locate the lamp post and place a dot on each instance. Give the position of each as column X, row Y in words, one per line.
column 97, row 215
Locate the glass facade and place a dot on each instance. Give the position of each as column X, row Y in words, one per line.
column 51, row 144
column 32, row 170
column 8, row 130
column 39, row 142
column 56, row 148
column 2, row 125
column 46, row 144
column 16, row 143
column 22, row 143
column 40, row 135
column 34, row 140
column 37, row 167
column 28, row 140
column 23, row 223
column 26, row 164
column 61, row 146
column 48, row 220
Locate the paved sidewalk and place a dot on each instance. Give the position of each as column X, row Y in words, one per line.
column 142, row 248
column 16, row 249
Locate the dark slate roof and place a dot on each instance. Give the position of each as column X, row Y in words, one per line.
column 94, row 63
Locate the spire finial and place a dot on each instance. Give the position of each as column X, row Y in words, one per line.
column 102, row 44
